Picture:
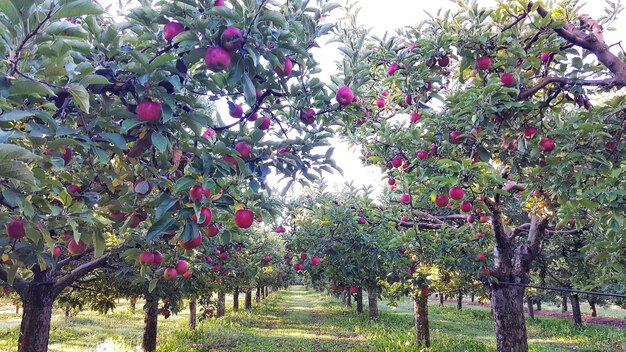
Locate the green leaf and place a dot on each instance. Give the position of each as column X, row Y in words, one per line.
column 116, row 139
column 159, row 227
column 166, row 202
column 98, row 244
column 94, row 79
column 15, row 115
column 152, row 285
column 80, row 95
column 8, row 9
column 184, row 184
column 11, row 274
column 249, row 90
column 14, row 152
column 16, row 170
column 78, row 8
column 30, row 88
column 160, row 142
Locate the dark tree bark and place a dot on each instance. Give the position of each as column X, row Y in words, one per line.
column 578, row 319
column 236, row 299
column 508, row 312
column 150, row 326
column 441, row 298
column 531, row 312
column 248, row 304
column 348, row 299
column 193, row 302
column 35, row 327
column 266, row 291
column 592, row 306
column 359, row 300
column 420, row 313
column 221, row 303
column 564, row 303
column 133, row 303
column 262, row 292
column 258, row 294
column 538, row 304
column 459, row 301
column 372, row 302
column 472, row 297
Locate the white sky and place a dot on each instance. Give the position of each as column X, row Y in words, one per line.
column 382, row 16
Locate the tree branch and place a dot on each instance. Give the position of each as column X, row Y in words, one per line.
column 69, row 259
column 563, row 81
column 15, row 58
column 77, row 273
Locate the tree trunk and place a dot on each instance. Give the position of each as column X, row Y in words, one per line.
column 359, row 300
column 564, row 304
column 192, row 311
column 221, row 303
column 236, row 299
column 507, row 304
column 472, row 297
column 420, row 313
column 150, row 326
column 348, row 298
column 592, row 306
column 248, row 304
column 459, row 301
column 35, row 327
column 258, row 294
column 441, row 300
column 133, row 303
column 372, row 301
column 267, row 292
column 531, row 312
column 578, row 319
column 262, row 292
column 538, row 304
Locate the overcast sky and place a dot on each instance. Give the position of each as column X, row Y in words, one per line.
column 382, row 16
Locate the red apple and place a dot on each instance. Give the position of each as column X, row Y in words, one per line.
column 170, row 274
column 149, row 111
column 404, row 219
column 415, row 117
column 244, row 149
column 344, row 96
column 146, row 258
column 392, row 69
column 456, row 137
column 267, row 258
column 507, row 79
column 229, row 159
column 483, row 63
column 397, row 161
column 480, row 257
column 483, row 218
column 192, row 243
column 470, row 219
column 441, row 200
column 244, row 218
column 391, row 181
column 422, row 155
column 15, row 229
column 545, row 57
column 217, row 59
column 235, row 110
column 67, row 155
column 76, row 248
column 212, row 230
column 610, row 147
column 405, row 198
column 444, row 61
column 456, row 193
column 57, row 251
column 466, row 206
column 171, row 30
column 118, row 216
column 223, row 256
column 354, row 289
column 380, row 103
column 73, row 189
column 425, row 291
column 281, row 229
column 308, row 116
column 265, row 123
column 287, row 68
column 362, row 221
column 196, row 192
column 530, row 132
column 315, row 261
column 158, row 258
column 480, row 235
column 408, row 100
column 303, row 256
column 219, row 3
column 546, row 145
column 181, row 266
column 232, row 39
column 142, row 187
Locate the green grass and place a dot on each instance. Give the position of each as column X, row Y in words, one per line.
column 303, row 320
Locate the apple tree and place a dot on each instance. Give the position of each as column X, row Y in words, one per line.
column 111, row 135
column 517, row 110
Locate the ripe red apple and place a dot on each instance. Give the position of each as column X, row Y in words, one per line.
column 212, row 230
column 244, row 149
column 485, row 272
column 196, row 192
column 483, row 63
column 76, row 248
column 171, row 30
column 267, row 258
column 545, row 57
column 67, row 155
column 380, row 103
column 408, row 100
column 509, row 143
column 223, row 256
column 308, row 116
column 265, row 123
column 480, row 257
column 118, row 216
column 466, row 206
column 229, row 159
column 422, row 155
column 530, row 132
column 546, row 145
column 480, row 235
column 470, row 219
column 187, row 274
column 149, row 111
column 286, row 70
column 136, row 219
column 404, row 219
column 483, row 218
column 391, row 181
column 217, row 59
column 456, row 137
column 158, row 258
column 142, row 187
column 182, row 266
column 303, row 256
column 344, row 96
column 315, row 261
column 456, row 193
column 232, row 39
column 425, row 291
column 415, row 117
column 146, row 258
column 296, row 266
column 192, row 243
column 397, row 161
column 170, row 274
column 281, row 229
column 73, row 189
column 235, row 110
column 362, row 221
column 354, row 289
column 16, row 229
column 405, row 198
column 444, row 61
column 571, row 222
column 219, row 3
column 610, row 146
column 507, row 79
column 57, row 251
column 244, row 218
column 392, row 69
column 441, row 200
